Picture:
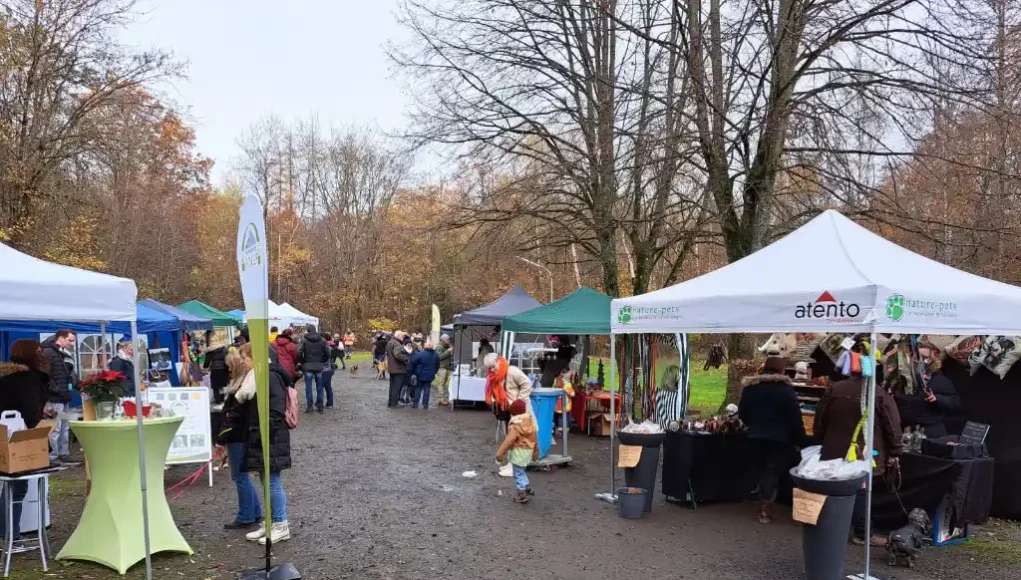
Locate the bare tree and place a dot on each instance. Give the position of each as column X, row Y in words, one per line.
column 584, row 120
column 60, row 62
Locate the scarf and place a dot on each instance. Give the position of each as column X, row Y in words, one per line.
column 496, row 393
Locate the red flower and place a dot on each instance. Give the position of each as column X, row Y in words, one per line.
column 105, row 377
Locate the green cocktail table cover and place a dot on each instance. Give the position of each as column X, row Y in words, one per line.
column 110, row 531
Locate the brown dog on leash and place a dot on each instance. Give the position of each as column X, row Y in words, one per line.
column 353, row 369
column 381, row 370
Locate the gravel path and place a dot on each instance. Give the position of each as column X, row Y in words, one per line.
column 378, row 494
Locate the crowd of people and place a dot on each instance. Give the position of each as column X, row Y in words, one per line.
column 414, row 364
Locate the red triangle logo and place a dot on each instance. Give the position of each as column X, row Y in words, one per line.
column 825, row 297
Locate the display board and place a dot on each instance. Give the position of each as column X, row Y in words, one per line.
column 193, row 442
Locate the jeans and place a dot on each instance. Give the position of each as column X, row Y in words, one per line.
column 343, row 365
column 278, row 497
column 443, row 384
column 18, row 490
column 396, row 383
column 60, row 437
column 328, row 385
column 420, row 394
column 318, row 378
column 249, row 509
column 520, row 478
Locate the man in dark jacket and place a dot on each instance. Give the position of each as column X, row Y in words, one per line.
column 124, row 363
column 63, row 377
column 314, row 355
column 769, row 408
column 423, row 365
column 397, row 363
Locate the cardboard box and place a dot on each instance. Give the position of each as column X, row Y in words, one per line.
column 599, row 424
column 25, row 450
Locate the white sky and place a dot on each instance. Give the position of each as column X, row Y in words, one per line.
column 249, row 58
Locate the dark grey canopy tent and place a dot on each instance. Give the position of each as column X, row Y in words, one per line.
column 516, row 301
column 485, row 321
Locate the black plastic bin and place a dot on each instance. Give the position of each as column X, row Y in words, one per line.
column 643, row 475
column 824, row 545
column 631, row 502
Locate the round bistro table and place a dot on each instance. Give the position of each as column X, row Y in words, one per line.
column 110, row 531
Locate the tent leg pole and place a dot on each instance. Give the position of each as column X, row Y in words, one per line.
column 613, row 410
column 141, row 452
column 870, row 428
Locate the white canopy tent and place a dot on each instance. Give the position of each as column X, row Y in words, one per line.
column 296, row 316
column 33, row 289
column 276, row 316
column 830, row 275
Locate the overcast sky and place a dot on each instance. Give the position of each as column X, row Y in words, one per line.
column 250, row 58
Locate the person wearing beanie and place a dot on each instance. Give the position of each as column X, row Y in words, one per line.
column 769, row 408
column 521, row 447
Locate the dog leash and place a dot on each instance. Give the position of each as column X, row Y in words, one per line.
column 894, row 483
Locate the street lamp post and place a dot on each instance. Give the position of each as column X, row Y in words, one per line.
column 545, row 269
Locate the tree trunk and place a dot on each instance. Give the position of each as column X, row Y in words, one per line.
column 740, row 352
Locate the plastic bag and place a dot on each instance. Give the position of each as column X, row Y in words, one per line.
column 647, row 427
column 811, row 467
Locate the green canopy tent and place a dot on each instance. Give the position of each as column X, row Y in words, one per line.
column 587, row 312
column 219, row 317
column 584, row 312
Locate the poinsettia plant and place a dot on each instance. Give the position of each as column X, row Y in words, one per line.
column 104, row 386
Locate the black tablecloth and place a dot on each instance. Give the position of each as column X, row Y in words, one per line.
column 712, row 467
column 926, row 480
column 726, row 468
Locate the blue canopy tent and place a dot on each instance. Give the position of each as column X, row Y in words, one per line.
column 237, row 313
column 162, row 329
column 187, row 320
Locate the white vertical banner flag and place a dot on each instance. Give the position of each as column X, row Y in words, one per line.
column 253, row 263
column 253, row 268
column 434, row 329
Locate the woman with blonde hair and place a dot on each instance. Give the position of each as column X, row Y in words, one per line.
column 234, row 436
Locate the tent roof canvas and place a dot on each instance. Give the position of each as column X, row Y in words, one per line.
column 149, row 320
column 830, row 275
column 286, row 311
column 584, row 311
column 515, row 301
column 34, row 289
column 219, row 317
column 185, row 319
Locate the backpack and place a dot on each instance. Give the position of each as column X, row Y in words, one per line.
column 291, row 413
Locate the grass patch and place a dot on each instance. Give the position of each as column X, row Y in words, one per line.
column 708, row 387
column 998, row 540
column 66, row 488
column 1004, row 550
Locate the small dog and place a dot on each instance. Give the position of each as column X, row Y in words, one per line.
column 381, row 370
column 353, row 370
column 906, row 543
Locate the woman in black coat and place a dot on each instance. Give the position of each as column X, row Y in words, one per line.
column 769, row 408
column 23, row 386
column 279, row 439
